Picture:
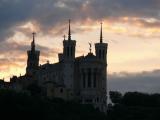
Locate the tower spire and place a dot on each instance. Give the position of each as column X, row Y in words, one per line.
column 90, row 47
column 101, row 36
column 69, row 31
column 33, row 42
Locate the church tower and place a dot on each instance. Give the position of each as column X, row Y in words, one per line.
column 69, row 47
column 101, row 48
column 68, row 63
column 33, row 58
column 101, row 54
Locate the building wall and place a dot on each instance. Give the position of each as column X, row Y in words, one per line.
column 91, row 84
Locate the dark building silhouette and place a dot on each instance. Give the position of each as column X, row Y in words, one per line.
column 82, row 78
column 33, row 58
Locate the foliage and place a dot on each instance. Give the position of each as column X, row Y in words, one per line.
column 135, row 106
column 24, row 106
column 130, row 106
column 115, row 96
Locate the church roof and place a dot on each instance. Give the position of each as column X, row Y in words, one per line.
column 50, row 67
column 90, row 57
column 79, row 58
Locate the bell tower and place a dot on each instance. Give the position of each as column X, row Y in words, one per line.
column 101, row 48
column 101, row 54
column 33, row 58
column 69, row 47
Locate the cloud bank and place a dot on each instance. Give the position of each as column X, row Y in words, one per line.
column 148, row 82
column 50, row 13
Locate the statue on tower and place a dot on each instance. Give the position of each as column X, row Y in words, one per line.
column 90, row 47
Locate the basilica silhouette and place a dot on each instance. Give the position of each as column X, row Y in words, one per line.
column 82, row 78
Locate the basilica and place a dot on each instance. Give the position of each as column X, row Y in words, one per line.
column 82, row 78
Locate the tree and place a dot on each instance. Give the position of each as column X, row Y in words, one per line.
column 34, row 89
column 115, row 97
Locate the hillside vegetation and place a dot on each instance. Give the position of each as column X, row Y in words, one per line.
column 130, row 106
column 27, row 107
column 134, row 106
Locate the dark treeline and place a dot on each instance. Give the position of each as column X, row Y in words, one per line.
column 134, row 106
column 130, row 106
column 24, row 106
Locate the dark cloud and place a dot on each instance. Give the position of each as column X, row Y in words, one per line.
column 135, row 8
column 13, row 13
column 50, row 13
column 143, row 82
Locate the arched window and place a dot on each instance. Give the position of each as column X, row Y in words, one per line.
column 67, row 51
column 89, row 78
column 61, row 90
column 71, row 51
column 103, row 54
column 84, row 81
column 94, row 80
column 99, row 53
column 97, row 99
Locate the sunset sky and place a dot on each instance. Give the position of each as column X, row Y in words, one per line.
column 130, row 27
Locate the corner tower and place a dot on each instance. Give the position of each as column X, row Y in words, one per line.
column 69, row 47
column 68, row 64
column 101, row 54
column 33, row 58
column 101, row 48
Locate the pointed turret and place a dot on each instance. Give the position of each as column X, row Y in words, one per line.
column 68, row 59
column 101, row 48
column 69, row 46
column 101, row 54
